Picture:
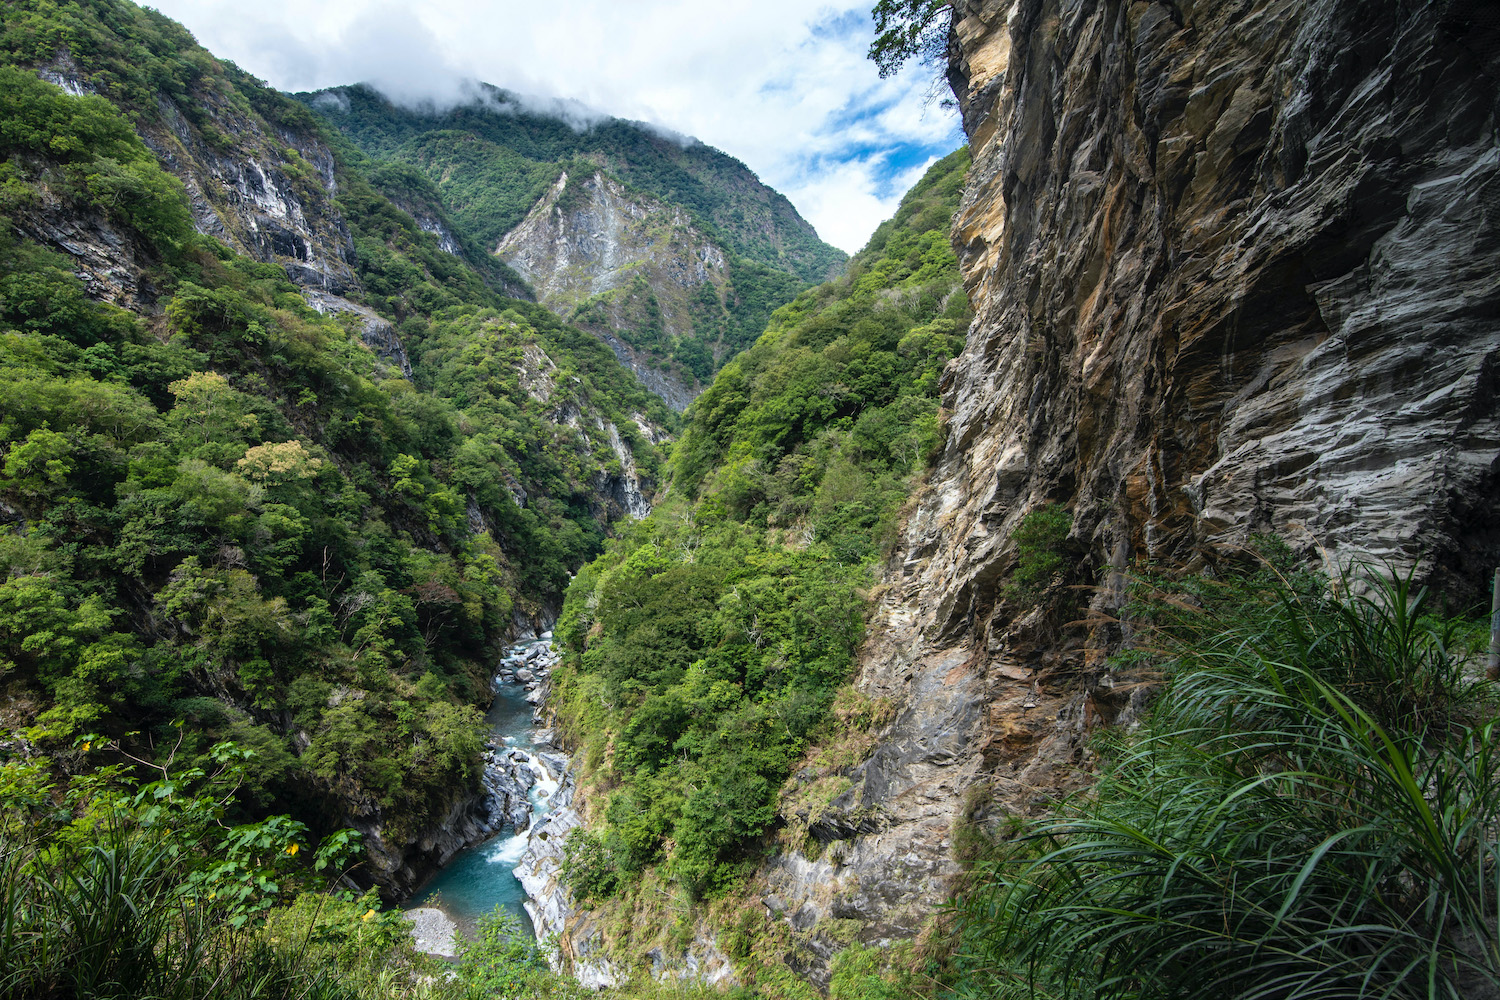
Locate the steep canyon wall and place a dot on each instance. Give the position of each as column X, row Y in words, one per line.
column 1236, row 270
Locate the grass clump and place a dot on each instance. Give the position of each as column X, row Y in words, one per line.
column 1311, row 811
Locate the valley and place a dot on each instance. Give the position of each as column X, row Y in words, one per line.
column 491, row 548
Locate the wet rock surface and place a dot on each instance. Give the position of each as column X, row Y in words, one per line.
column 501, row 800
column 580, row 945
column 511, row 774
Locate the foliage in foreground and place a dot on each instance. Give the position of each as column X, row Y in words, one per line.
column 111, row 889
column 1310, row 812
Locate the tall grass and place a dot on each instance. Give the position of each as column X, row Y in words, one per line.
column 1311, row 812
column 108, row 921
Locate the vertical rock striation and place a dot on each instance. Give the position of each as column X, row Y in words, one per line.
column 267, row 193
column 1236, row 269
column 632, row 270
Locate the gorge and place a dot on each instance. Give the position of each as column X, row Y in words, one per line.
column 867, row 581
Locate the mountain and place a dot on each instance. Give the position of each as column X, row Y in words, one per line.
column 1232, row 271
column 283, row 458
column 641, row 215
column 705, row 688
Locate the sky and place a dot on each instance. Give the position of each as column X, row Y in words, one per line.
column 782, row 85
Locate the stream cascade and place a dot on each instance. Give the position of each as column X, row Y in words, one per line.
column 524, row 785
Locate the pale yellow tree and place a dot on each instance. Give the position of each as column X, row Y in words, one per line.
column 278, row 462
column 206, row 401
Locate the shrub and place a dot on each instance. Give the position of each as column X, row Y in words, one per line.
column 588, row 869
column 1312, row 813
column 1039, row 542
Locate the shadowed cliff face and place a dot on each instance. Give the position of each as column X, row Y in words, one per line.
column 1236, row 269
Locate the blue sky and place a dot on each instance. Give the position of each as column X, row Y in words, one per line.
column 781, row 84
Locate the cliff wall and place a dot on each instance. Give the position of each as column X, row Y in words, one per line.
column 630, row 269
column 1236, row 270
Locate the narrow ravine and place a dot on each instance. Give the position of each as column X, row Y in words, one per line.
column 521, row 777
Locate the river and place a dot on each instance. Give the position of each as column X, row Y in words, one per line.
column 481, row 878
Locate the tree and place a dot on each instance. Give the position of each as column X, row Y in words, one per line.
column 909, row 29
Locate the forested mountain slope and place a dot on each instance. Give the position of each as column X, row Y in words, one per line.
column 280, row 461
column 672, row 251
column 710, row 648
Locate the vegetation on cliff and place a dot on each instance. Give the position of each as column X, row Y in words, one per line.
column 222, row 517
column 1309, row 810
column 710, row 647
column 493, row 156
column 253, row 578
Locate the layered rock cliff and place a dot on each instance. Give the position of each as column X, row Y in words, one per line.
column 266, row 191
column 629, row 268
column 1236, row 270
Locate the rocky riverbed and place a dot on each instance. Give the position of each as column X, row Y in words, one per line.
column 520, row 781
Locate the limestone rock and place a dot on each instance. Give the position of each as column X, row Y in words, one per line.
column 619, row 263
column 432, row 931
column 375, row 330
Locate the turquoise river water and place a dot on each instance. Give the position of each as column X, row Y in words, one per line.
column 481, row 878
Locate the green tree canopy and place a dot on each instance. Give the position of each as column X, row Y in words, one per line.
column 909, row 29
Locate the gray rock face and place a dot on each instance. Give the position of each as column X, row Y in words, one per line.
column 1235, row 272
column 502, row 799
column 1234, row 269
column 267, row 194
column 374, row 329
column 398, row 866
column 548, row 903
column 623, row 493
column 101, row 257
column 580, row 943
column 619, row 264
column 508, row 777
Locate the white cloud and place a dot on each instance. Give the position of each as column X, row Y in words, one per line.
column 845, row 198
column 782, row 85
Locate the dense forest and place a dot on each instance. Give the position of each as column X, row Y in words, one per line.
column 274, row 498
column 226, row 521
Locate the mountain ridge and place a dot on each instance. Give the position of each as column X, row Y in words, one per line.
column 495, row 165
column 641, row 153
